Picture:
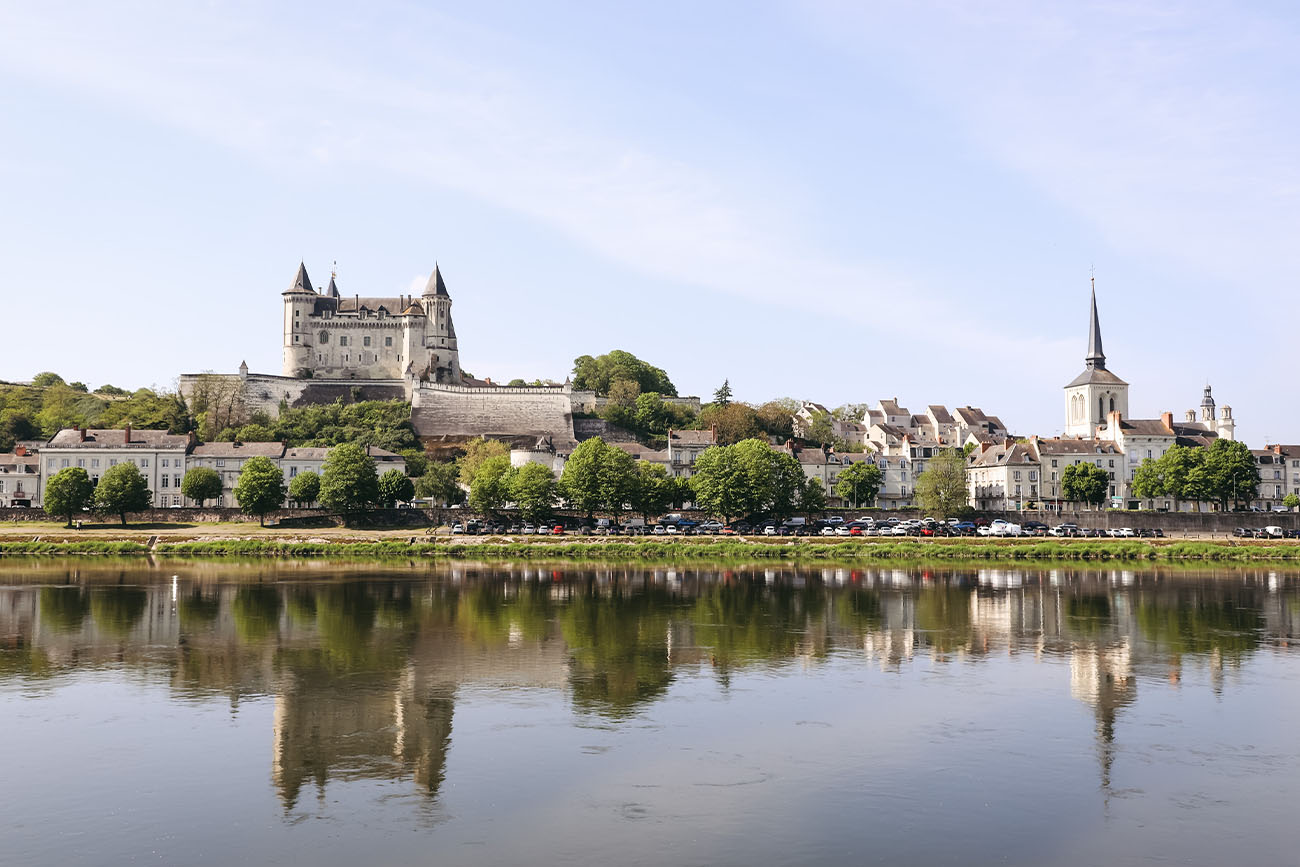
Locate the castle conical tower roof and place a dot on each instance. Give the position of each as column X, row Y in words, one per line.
column 1095, row 358
column 301, row 282
column 435, row 286
column 333, row 290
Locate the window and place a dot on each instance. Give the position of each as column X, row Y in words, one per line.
column 81, row 462
column 164, row 481
column 1112, row 463
column 1017, row 490
column 365, row 341
column 295, row 338
column 166, row 462
column 388, row 341
column 176, row 479
column 94, row 463
column 1017, row 477
column 221, row 462
column 144, row 462
column 1053, row 464
column 343, row 341
column 323, row 338
column 112, row 462
column 65, row 462
column 176, row 501
column 1148, row 452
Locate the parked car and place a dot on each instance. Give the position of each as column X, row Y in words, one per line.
column 660, row 529
column 1003, row 527
column 711, row 528
column 1034, row 528
column 457, row 529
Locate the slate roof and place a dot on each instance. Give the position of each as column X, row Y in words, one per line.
column 1017, row 453
column 940, row 414
column 691, row 437
column 70, row 438
column 1069, row 446
column 306, row 453
column 301, row 282
column 643, row 453
column 238, row 450
column 1096, row 375
column 435, row 286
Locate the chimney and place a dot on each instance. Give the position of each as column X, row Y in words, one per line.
column 191, row 440
column 713, row 428
column 1167, row 419
column 126, row 434
column 82, row 434
column 20, row 451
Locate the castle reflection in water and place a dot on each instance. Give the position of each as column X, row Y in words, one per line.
column 364, row 664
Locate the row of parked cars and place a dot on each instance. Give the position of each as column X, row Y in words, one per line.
column 1269, row 532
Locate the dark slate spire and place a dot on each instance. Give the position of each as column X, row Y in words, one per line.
column 333, row 291
column 1096, row 358
column 301, row 282
column 435, row 286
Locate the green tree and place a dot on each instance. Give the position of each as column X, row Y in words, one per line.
column 858, row 483
column 440, row 483
column 304, row 488
column 261, row 488
column 348, row 479
column 1148, row 480
column 722, row 397
column 67, row 492
column 491, row 488
column 46, row 379
column 654, row 490
column 417, row 462
column 1233, row 473
column 775, row 417
column 941, row 488
column 599, row 374
column 534, row 490
column 749, row 478
column 122, row 489
column 1085, row 483
column 821, row 430
column 1291, row 501
column 812, row 499
column 597, row 477
column 734, row 422
column 476, row 452
column 394, row 487
column 201, row 484
column 255, row 433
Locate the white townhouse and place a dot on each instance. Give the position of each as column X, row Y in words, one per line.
column 20, row 478
column 160, row 456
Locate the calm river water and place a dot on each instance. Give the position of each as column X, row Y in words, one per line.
column 218, row 713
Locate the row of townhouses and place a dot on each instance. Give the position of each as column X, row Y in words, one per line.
column 162, row 458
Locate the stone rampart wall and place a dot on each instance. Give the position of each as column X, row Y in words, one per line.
column 448, row 412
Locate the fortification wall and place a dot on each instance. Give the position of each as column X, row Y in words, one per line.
column 264, row 392
column 450, row 412
column 589, row 403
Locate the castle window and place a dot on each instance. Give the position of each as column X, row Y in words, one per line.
column 295, row 338
column 324, row 338
column 388, row 341
column 343, row 341
column 365, row 341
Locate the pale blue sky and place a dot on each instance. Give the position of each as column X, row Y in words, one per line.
column 838, row 201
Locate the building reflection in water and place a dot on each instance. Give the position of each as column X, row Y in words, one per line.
column 364, row 666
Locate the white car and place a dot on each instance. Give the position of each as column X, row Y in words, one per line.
column 828, row 531
column 769, row 530
column 842, row 530
column 1002, row 527
column 1125, row 533
column 983, row 531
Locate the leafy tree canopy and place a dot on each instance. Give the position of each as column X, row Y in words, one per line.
column 304, row 488
column 395, row 487
column 261, row 488
column 599, row 374
column 858, row 483
column 201, row 484
column 122, row 489
column 348, row 479
column 67, row 492
column 941, row 488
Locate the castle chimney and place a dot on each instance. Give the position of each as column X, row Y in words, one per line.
column 191, row 440
column 82, row 434
column 713, row 428
column 20, row 451
column 126, row 434
column 1167, row 419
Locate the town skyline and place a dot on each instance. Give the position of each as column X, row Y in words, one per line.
column 890, row 208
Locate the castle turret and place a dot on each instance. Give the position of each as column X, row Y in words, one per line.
column 1207, row 408
column 299, row 304
column 441, row 352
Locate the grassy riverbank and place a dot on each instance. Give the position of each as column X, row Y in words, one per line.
column 669, row 551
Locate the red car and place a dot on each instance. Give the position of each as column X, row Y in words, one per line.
column 557, row 530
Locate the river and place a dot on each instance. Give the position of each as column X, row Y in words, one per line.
column 281, row 713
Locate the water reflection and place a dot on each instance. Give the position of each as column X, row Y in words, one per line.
column 364, row 666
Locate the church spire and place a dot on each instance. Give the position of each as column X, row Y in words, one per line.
column 1095, row 358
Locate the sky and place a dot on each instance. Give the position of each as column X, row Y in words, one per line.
column 835, row 201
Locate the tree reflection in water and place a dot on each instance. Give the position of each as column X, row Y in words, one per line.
column 364, row 669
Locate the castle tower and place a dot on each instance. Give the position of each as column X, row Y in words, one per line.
column 299, row 304
column 441, row 355
column 1226, row 425
column 1094, row 394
